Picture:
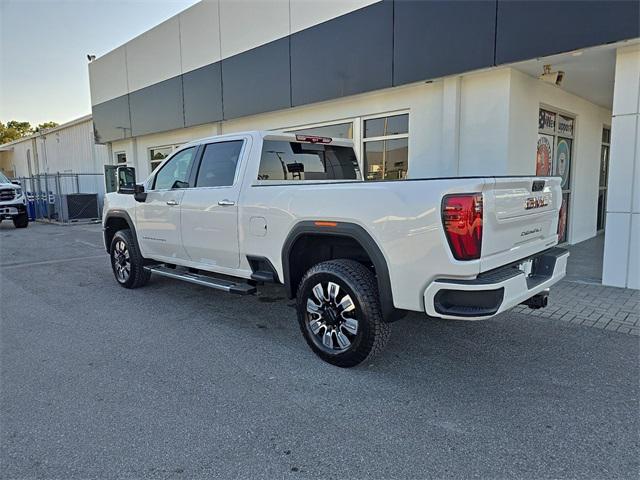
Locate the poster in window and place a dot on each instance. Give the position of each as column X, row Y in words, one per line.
column 546, row 120
column 544, row 154
column 565, row 126
column 563, row 161
column 562, row 221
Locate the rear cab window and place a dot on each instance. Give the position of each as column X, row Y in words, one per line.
column 291, row 160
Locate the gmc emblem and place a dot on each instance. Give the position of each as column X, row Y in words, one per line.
column 536, row 202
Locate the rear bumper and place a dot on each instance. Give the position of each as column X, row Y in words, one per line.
column 495, row 291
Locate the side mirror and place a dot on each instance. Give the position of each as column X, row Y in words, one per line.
column 139, row 194
column 126, row 180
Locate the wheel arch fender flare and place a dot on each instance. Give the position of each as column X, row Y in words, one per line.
column 122, row 215
column 362, row 237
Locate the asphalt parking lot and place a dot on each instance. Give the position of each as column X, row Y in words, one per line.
column 179, row 381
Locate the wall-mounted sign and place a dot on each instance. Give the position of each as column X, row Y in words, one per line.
column 546, row 120
column 544, row 154
column 565, row 125
column 563, row 161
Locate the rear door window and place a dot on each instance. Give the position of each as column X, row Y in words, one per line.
column 219, row 163
column 283, row 160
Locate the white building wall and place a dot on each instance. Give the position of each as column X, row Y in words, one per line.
column 66, row 150
column 527, row 94
column 205, row 33
column 622, row 240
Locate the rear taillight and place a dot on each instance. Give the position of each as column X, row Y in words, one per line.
column 462, row 220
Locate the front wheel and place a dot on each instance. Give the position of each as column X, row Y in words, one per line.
column 127, row 262
column 339, row 312
column 21, row 221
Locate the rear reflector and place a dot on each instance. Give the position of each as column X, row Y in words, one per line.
column 462, row 220
column 313, row 139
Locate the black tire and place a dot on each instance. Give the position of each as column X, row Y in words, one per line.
column 126, row 261
column 366, row 337
column 21, row 221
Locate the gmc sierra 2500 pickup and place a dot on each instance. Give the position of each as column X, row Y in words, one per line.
column 234, row 211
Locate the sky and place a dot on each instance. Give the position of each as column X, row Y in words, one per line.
column 44, row 46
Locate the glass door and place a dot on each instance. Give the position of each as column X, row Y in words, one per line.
column 604, row 173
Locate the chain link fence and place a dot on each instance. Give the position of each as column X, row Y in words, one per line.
column 64, row 197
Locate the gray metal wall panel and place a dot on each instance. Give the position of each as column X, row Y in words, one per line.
column 257, row 81
column 203, row 95
column 536, row 28
column 437, row 38
column 344, row 56
column 111, row 120
column 157, row 108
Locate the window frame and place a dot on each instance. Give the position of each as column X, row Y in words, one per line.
column 572, row 177
column 604, row 189
column 379, row 138
column 174, row 148
column 355, row 125
column 166, row 161
column 115, row 158
column 200, row 156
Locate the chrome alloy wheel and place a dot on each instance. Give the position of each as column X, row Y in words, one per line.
column 330, row 317
column 121, row 261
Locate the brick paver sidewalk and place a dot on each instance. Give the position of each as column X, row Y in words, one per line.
column 592, row 305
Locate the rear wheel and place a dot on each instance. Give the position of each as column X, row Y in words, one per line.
column 339, row 313
column 21, row 221
column 127, row 262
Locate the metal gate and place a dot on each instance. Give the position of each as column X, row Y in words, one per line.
column 64, row 197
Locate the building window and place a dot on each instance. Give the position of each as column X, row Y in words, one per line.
column 336, row 130
column 604, row 173
column 385, row 144
column 158, row 154
column 121, row 158
column 554, row 156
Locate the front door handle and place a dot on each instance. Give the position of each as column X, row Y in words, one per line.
column 226, row 203
column 172, row 202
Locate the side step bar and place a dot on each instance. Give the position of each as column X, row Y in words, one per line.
column 204, row 280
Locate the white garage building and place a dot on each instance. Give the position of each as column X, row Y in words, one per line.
column 424, row 89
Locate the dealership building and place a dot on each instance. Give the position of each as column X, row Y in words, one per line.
column 423, row 88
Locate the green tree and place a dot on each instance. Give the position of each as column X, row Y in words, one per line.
column 14, row 130
column 46, row 125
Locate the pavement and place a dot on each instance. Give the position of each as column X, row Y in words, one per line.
column 179, row 381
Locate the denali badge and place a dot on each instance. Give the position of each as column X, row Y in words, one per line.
column 536, row 202
column 530, row 232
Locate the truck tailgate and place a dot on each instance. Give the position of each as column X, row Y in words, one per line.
column 521, row 218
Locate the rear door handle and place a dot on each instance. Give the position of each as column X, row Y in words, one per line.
column 172, row 202
column 226, row 203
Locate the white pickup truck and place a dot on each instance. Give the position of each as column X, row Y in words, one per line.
column 235, row 211
column 13, row 202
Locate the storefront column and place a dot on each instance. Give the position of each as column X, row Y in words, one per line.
column 622, row 235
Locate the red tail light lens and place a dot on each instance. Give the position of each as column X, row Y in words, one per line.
column 462, row 220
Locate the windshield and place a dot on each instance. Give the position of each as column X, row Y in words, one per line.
column 3, row 178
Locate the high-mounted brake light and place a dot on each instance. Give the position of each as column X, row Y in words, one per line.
column 462, row 220
column 313, row 139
